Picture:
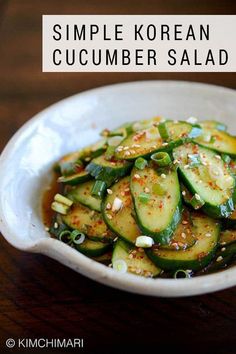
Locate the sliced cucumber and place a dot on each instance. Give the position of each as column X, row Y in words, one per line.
column 136, row 260
column 93, row 248
column 148, row 141
column 203, row 180
column 82, row 194
column 76, row 178
column 70, row 163
column 105, row 258
column 227, row 237
column 223, row 258
column 121, row 222
column 212, row 124
column 88, row 221
column 158, row 215
column 217, row 140
column 108, row 171
column 183, row 237
column 206, row 232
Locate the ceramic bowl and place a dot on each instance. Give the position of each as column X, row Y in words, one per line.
column 25, row 168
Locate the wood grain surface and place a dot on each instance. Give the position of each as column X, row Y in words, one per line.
column 38, row 296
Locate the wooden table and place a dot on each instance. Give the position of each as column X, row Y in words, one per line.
column 38, row 296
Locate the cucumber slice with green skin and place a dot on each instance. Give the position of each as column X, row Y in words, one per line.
column 160, row 214
column 87, row 221
column 217, row 140
column 76, row 178
column 183, row 237
column 121, row 222
column 219, row 202
column 108, row 171
column 70, row 163
column 222, row 259
column 135, row 258
column 105, row 258
column 93, row 248
column 146, row 142
column 82, row 194
column 196, row 257
column 227, row 237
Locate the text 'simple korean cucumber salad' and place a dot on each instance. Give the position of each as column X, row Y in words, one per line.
column 155, row 198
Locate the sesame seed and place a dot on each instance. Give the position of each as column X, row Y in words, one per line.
column 137, row 176
column 186, row 166
column 55, row 225
column 184, row 222
column 110, row 265
column 126, row 148
column 137, row 145
column 218, row 157
column 47, row 229
column 183, row 193
column 127, row 153
column 132, row 152
column 197, row 196
column 220, row 258
column 183, row 235
column 223, row 249
column 163, row 176
column 122, row 194
column 109, row 216
column 131, row 256
column 223, row 243
column 146, row 190
column 127, row 189
column 108, row 207
column 109, row 191
column 164, row 144
column 175, row 162
column 208, row 234
column 115, row 239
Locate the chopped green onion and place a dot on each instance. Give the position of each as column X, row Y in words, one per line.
column 226, row 158
column 163, row 131
column 213, row 139
column 158, row 189
column 65, row 236
column 161, row 159
column 194, row 160
column 120, row 266
column 196, row 201
column 77, row 237
column 110, row 152
column 60, row 208
column 140, row 163
column 144, row 197
column 181, row 273
column 144, row 241
column 99, row 189
column 61, row 199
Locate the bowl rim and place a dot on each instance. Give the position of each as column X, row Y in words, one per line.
column 92, row 269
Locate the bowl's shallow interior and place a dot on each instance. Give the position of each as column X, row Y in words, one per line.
column 25, row 166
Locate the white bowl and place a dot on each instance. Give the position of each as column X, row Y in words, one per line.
column 25, row 168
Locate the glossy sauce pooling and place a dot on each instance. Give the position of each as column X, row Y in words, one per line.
column 47, row 200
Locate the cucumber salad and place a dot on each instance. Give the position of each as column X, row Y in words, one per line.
column 155, row 198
